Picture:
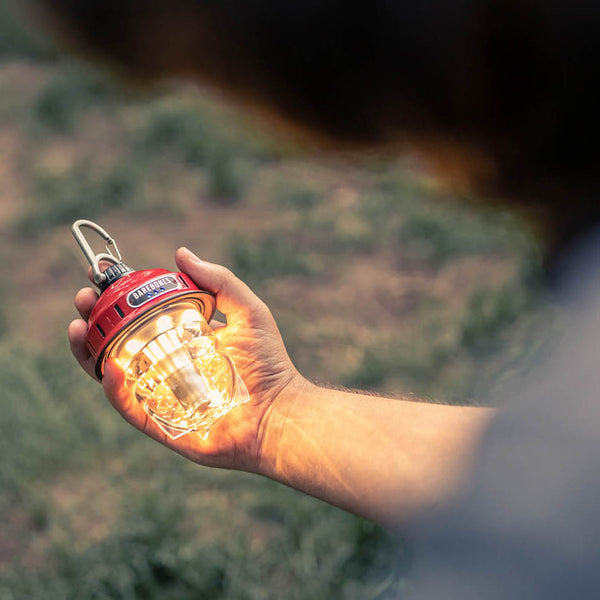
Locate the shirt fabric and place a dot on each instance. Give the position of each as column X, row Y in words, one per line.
column 527, row 526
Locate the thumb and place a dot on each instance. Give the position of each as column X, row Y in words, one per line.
column 232, row 294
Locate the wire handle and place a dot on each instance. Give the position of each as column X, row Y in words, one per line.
column 94, row 259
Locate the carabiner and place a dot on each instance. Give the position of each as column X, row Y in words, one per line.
column 94, row 259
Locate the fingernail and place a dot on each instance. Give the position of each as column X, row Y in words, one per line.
column 191, row 255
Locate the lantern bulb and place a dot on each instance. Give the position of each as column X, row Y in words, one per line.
column 133, row 346
column 179, row 372
column 164, row 323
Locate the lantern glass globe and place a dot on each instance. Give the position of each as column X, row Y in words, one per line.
column 177, row 369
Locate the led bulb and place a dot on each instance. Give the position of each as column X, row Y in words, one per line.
column 179, row 372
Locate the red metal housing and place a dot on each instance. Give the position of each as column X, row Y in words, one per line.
column 132, row 296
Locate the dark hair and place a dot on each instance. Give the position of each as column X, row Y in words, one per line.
column 510, row 83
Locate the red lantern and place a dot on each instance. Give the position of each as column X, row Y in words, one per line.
column 155, row 323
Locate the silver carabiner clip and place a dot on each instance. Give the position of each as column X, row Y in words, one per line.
column 112, row 253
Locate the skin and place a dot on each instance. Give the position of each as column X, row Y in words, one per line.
column 381, row 458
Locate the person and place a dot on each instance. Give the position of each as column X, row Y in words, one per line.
column 499, row 94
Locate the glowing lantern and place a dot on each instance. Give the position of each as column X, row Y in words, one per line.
column 155, row 323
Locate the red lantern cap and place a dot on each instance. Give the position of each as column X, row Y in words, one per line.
column 132, row 296
column 127, row 295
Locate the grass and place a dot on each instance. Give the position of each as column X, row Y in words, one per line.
column 188, row 134
column 95, row 510
column 419, row 365
column 446, row 360
column 330, row 228
column 3, row 319
column 67, row 96
column 268, row 257
column 434, row 240
column 298, row 198
column 60, row 199
column 176, row 531
column 179, row 130
column 370, row 373
column 225, row 179
column 489, row 315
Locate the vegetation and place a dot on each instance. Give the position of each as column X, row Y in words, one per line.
column 377, row 281
column 180, row 130
column 271, row 256
column 92, row 524
column 225, row 182
column 66, row 96
column 60, row 199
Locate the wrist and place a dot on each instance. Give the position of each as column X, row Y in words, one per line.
column 276, row 419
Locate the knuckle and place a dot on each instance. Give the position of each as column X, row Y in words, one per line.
column 261, row 308
column 259, row 314
column 226, row 276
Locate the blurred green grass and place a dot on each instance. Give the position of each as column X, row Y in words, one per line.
column 378, row 281
column 59, row 199
column 182, row 532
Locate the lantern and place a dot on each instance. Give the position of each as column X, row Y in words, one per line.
column 156, row 324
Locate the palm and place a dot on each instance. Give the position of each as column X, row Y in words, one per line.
column 258, row 352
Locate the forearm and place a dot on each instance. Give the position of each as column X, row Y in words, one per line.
column 381, row 458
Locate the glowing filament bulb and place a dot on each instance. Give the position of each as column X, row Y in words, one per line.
column 179, row 373
column 132, row 347
column 164, row 323
column 190, row 316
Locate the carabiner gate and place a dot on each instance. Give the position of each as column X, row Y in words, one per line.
column 112, row 253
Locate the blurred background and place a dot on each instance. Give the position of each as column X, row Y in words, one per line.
column 378, row 278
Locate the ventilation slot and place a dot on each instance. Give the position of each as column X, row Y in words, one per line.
column 119, row 311
column 183, row 283
column 100, row 330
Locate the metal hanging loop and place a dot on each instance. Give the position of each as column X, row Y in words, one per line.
column 112, row 253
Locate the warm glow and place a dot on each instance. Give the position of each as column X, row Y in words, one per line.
column 133, row 346
column 155, row 352
column 180, row 375
column 190, row 316
column 164, row 323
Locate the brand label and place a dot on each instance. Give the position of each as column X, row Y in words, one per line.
column 151, row 289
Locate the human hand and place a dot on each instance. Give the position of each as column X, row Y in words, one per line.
column 240, row 440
